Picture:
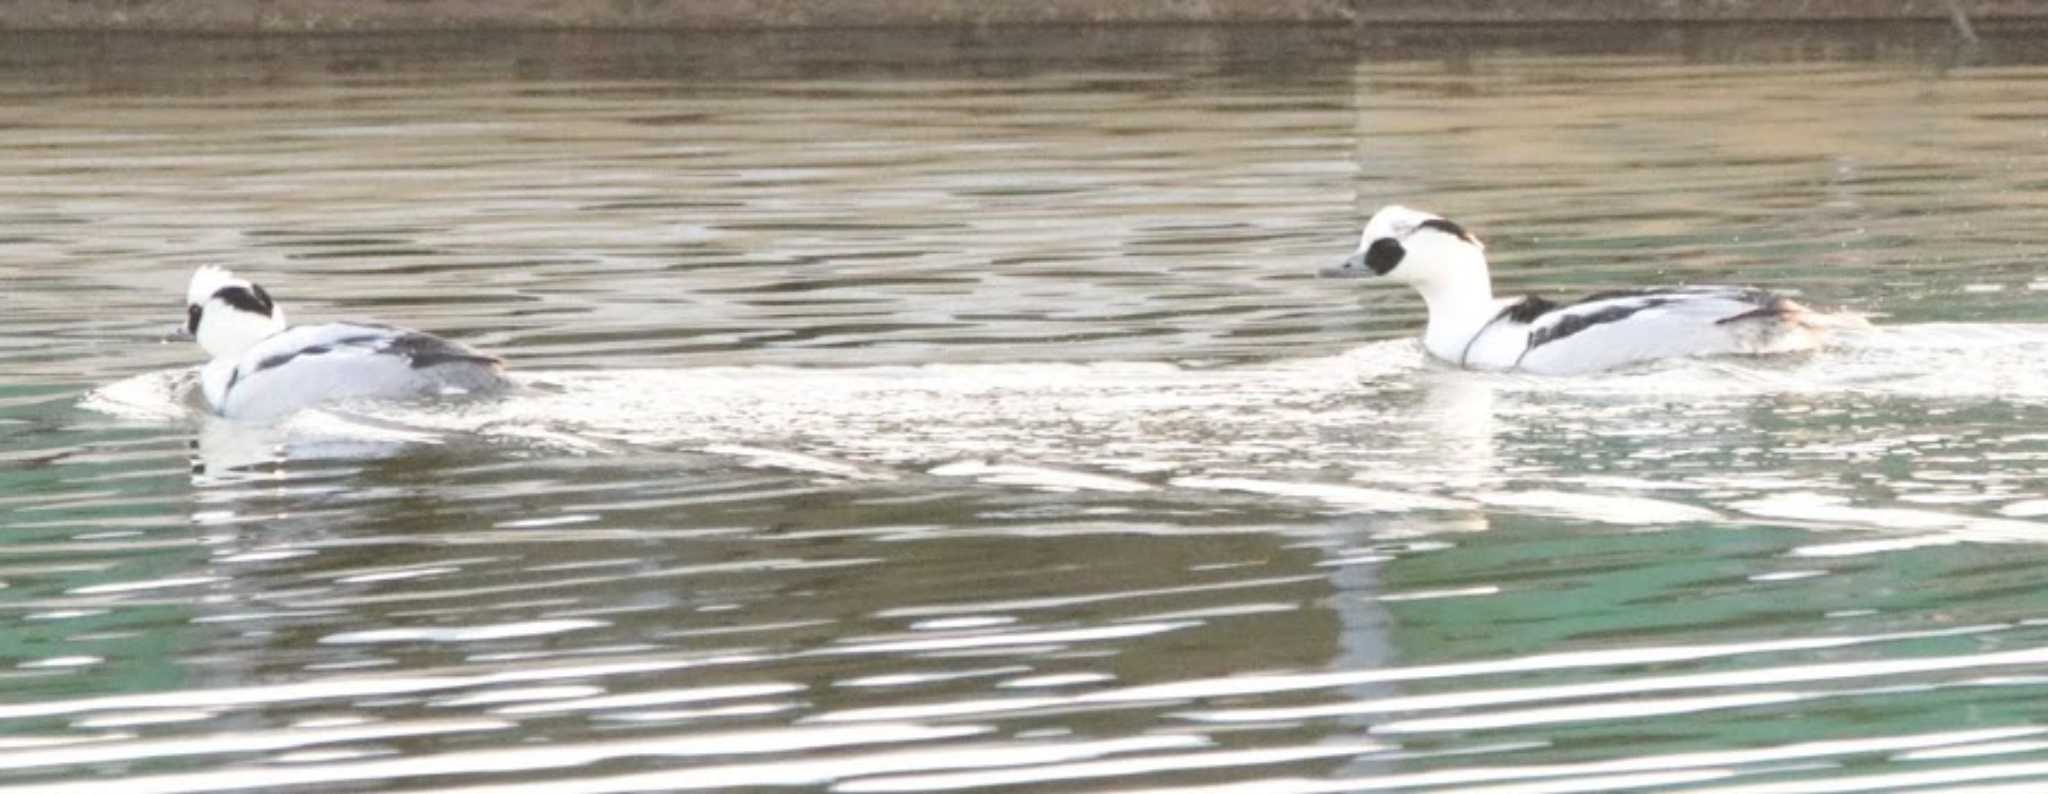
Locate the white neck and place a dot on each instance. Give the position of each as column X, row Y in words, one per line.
column 227, row 332
column 1461, row 303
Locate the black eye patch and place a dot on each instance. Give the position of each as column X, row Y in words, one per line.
column 249, row 299
column 1383, row 255
column 1449, row 228
column 192, row 318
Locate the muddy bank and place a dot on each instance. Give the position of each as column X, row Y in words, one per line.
column 338, row 16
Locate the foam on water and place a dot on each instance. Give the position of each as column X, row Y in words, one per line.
column 1375, row 429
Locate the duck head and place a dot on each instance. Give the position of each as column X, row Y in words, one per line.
column 1414, row 247
column 227, row 315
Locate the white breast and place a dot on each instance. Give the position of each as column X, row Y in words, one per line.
column 1496, row 346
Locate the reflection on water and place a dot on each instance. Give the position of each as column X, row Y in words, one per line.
column 964, row 415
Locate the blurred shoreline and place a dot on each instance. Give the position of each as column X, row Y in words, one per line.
column 397, row 16
column 136, row 61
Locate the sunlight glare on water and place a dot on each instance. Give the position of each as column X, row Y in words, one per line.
column 906, row 412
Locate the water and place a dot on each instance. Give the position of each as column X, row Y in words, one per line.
column 922, row 412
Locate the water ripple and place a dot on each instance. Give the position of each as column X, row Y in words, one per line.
column 1032, row 453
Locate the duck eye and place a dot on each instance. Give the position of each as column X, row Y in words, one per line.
column 1384, row 254
column 192, row 318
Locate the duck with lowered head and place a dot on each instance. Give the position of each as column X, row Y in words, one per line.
column 263, row 369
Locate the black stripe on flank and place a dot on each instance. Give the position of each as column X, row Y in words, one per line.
column 281, row 359
column 1573, row 323
column 249, row 299
column 1526, row 310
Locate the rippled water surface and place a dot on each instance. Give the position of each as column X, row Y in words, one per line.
column 932, row 412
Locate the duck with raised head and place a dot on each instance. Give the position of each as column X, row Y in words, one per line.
column 1471, row 328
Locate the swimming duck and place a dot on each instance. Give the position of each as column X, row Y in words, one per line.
column 1470, row 328
column 263, row 369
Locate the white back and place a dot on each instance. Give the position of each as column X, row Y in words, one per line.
column 1696, row 321
column 314, row 364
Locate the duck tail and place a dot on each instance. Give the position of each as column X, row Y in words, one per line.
column 1826, row 322
column 1815, row 328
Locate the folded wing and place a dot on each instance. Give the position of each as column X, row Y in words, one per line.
column 307, row 365
column 1616, row 328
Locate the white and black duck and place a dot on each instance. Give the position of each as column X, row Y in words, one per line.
column 1469, row 327
column 262, row 368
